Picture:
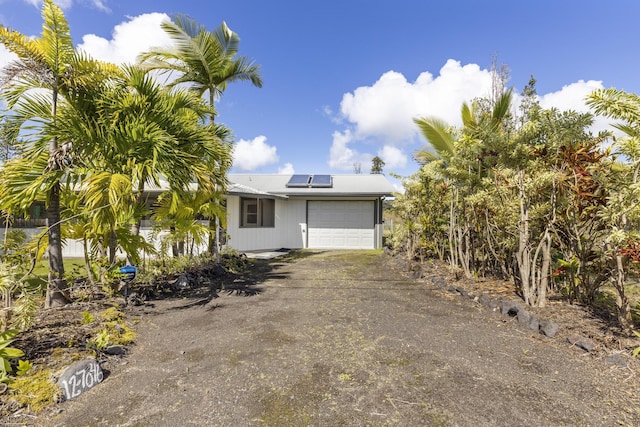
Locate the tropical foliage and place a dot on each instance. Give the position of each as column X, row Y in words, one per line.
column 99, row 144
column 206, row 61
column 49, row 71
column 530, row 196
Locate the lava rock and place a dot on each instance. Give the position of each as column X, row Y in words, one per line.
column 509, row 308
column 439, row 281
column 523, row 317
column 115, row 350
column 485, row 299
column 80, row 377
column 548, row 328
column 534, row 324
column 616, row 360
column 581, row 342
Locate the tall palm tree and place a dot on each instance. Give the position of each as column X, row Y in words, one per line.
column 141, row 134
column 206, row 61
column 52, row 64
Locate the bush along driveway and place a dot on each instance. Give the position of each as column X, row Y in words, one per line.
column 344, row 338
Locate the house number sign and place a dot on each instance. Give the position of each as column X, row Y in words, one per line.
column 80, row 377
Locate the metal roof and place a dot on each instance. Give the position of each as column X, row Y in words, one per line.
column 236, row 189
column 343, row 185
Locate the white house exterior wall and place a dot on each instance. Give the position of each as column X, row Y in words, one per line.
column 291, row 227
column 288, row 231
column 73, row 248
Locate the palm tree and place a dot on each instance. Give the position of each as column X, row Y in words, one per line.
column 140, row 134
column 52, row 64
column 178, row 212
column 439, row 135
column 208, row 62
column 459, row 154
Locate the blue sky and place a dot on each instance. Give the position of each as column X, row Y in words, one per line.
column 344, row 78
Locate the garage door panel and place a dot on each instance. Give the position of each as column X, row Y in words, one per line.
column 348, row 224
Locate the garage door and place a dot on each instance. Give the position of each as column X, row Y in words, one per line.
column 344, row 225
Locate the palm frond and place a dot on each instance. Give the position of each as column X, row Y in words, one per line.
column 468, row 116
column 616, row 104
column 502, row 107
column 188, row 26
column 56, row 43
column 228, row 40
column 437, row 133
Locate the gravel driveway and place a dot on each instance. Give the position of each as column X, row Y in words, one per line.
column 343, row 339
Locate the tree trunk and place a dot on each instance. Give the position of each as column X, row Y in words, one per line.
column 87, row 261
column 453, row 249
column 622, row 301
column 215, row 233
column 57, row 286
column 174, row 245
column 524, row 244
column 137, row 224
column 113, row 240
column 533, row 267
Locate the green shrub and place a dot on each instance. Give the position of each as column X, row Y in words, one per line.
column 6, row 352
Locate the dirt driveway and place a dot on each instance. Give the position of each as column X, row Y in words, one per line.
column 343, row 339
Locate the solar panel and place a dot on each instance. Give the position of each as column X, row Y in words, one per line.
column 298, row 181
column 325, row 181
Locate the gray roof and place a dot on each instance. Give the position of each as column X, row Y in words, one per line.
column 356, row 185
column 236, row 189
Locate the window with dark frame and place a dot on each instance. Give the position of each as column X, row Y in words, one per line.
column 256, row 212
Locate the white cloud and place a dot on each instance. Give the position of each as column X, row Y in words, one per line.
column 6, row 57
column 128, row 39
column 393, row 157
column 341, row 156
column 63, row 4
column 384, row 112
column 286, row 169
column 386, row 109
column 35, row 3
column 100, row 5
column 250, row 155
column 572, row 97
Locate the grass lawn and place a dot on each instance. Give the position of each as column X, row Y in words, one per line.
column 72, row 266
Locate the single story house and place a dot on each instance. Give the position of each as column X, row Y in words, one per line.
column 267, row 212
column 306, row 211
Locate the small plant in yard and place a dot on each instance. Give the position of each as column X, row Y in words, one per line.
column 87, row 317
column 111, row 314
column 636, row 352
column 6, row 352
column 24, row 367
column 101, row 340
column 114, row 331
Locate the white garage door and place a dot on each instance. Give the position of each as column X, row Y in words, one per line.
column 345, row 225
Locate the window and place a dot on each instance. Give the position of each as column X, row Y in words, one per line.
column 257, row 212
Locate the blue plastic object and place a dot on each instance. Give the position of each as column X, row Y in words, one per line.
column 128, row 273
